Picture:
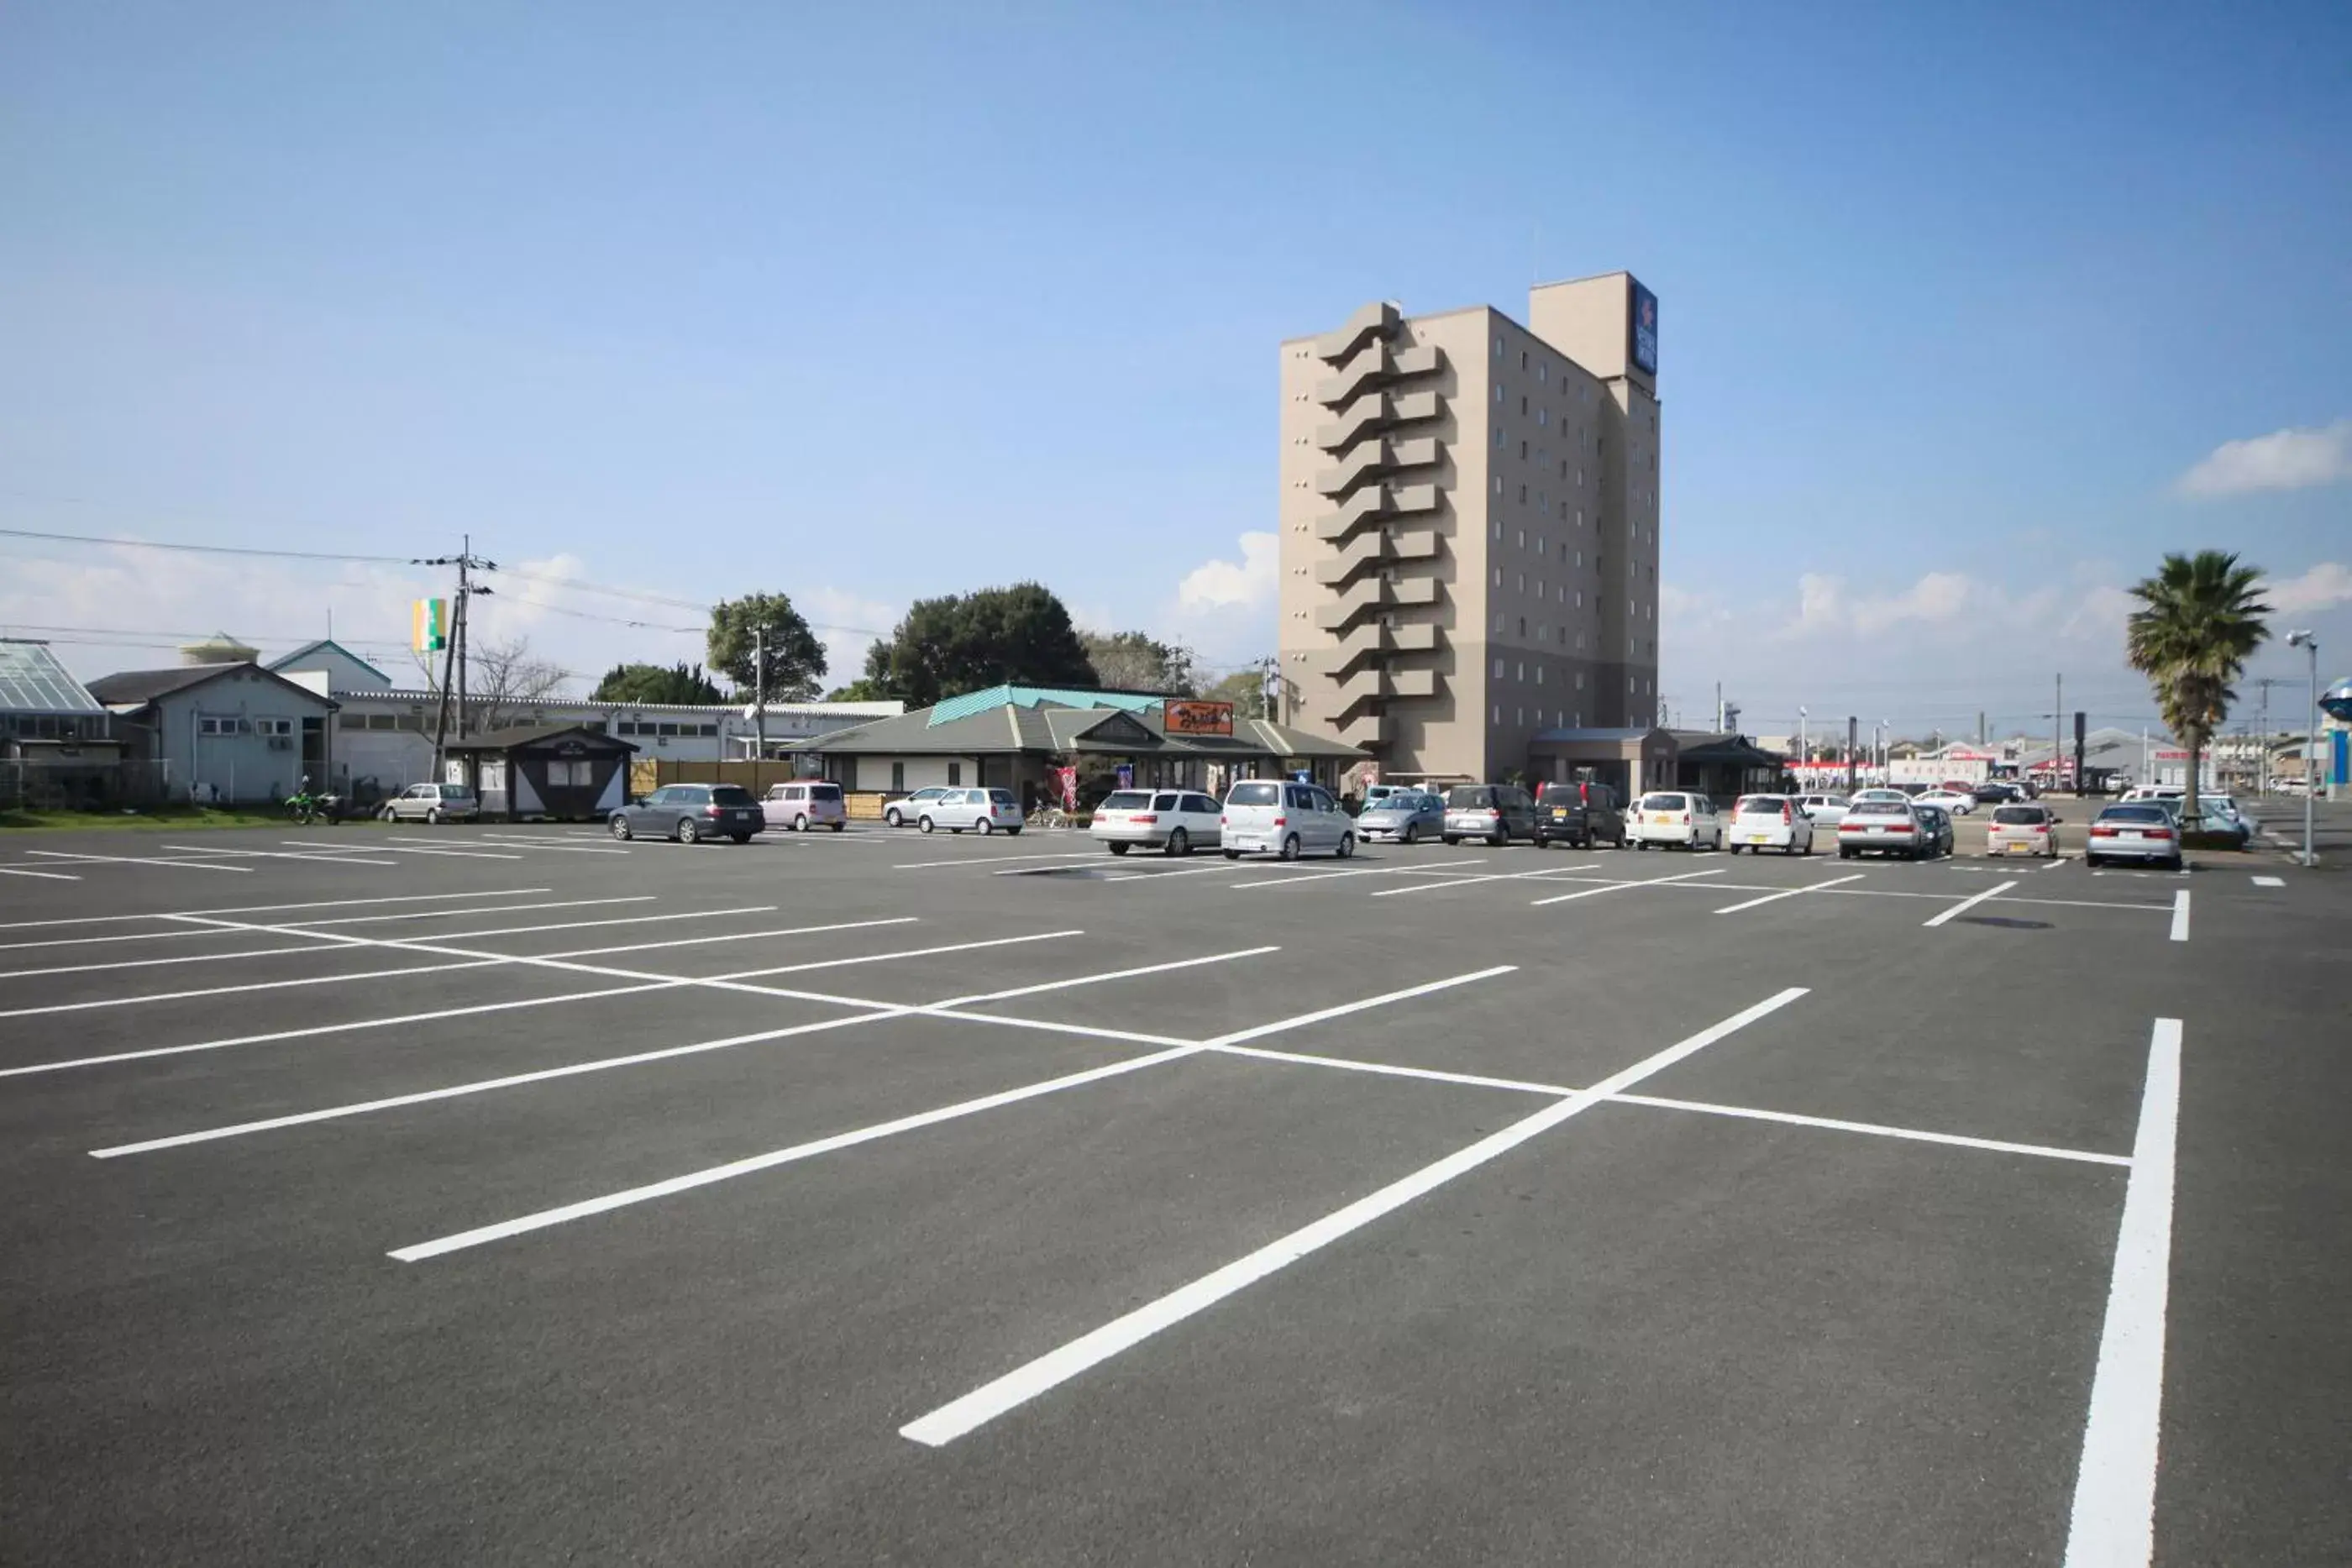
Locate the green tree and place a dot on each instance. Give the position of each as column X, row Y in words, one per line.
column 1137, row 662
column 861, row 690
column 679, row 683
column 2199, row 620
column 1245, row 688
column 795, row 658
column 963, row 642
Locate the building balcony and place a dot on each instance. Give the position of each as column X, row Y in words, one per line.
column 1370, row 595
column 1374, row 364
column 1367, row 506
column 1369, row 550
column 1371, row 640
column 1376, row 412
column 1367, row 687
column 1366, row 730
column 1375, row 460
column 1375, row 320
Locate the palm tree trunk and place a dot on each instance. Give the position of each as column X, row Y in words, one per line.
column 2189, row 813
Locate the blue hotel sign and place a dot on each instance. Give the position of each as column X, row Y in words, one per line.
column 1644, row 330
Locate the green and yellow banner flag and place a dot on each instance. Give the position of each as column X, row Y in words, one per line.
column 429, row 625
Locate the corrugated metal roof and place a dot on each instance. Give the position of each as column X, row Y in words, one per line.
column 970, row 702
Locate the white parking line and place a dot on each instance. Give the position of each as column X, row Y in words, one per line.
column 1791, row 892
column 2054, row 862
column 1615, row 886
column 2181, row 915
column 658, row 985
column 47, row 875
column 550, row 845
column 183, row 933
column 1161, row 875
column 1559, row 1090
column 329, row 857
column 2270, row 882
column 143, row 860
column 1287, row 878
column 1964, row 905
column 984, row 859
column 153, row 996
column 1554, row 872
column 462, row 855
column 993, row 1399
column 581, row 1210
column 275, row 908
column 2114, row 1519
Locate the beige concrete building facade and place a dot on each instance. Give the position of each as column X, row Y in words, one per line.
column 1469, row 528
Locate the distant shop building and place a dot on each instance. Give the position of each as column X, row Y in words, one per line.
column 57, row 741
column 557, row 772
column 1016, row 738
column 227, row 733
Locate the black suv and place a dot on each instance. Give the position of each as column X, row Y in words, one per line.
column 1579, row 814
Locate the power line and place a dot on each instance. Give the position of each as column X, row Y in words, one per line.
column 211, row 549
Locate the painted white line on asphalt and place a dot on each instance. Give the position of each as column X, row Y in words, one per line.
column 878, row 1012
column 1294, row 878
column 1791, row 892
column 501, row 839
column 1161, row 875
column 328, row 857
column 2270, row 882
column 589, row 996
column 2181, row 915
column 1615, row 886
column 984, row 859
column 331, row 936
column 1386, row 1070
column 1875, row 1129
column 46, row 875
column 993, row 1399
column 1964, row 905
column 478, row 909
column 232, row 991
column 1322, row 1015
column 461, row 854
column 1064, row 984
column 143, row 860
column 183, row 933
column 798, row 1152
column 2114, row 1519
column 2053, row 862
column 275, row 908
column 546, row 1217
column 1554, row 873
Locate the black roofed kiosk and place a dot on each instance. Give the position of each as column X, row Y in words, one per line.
column 559, row 772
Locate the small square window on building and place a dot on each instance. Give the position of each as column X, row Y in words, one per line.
column 1499, row 669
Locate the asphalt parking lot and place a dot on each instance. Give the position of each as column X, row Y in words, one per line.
column 407, row 1196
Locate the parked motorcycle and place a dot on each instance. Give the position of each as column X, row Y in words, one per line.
column 303, row 808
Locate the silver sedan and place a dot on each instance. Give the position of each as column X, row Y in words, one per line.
column 1405, row 818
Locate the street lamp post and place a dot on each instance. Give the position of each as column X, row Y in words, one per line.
column 2310, row 741
column 1804, row 755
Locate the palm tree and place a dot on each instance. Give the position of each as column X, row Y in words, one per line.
column 2199, row 620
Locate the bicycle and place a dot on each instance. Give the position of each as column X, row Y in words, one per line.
column 1050, row 817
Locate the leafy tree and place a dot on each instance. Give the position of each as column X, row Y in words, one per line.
column 1136, row 662
column 680, row 683
column 861, row 690
column 795, row 658
column 963, row 642
column 2200, row 619
column 1245, row 688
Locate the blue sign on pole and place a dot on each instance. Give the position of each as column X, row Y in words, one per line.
column 1127, row 775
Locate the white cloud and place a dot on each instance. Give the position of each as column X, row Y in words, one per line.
column 1938, row 599
column 1228, row 584
column 2322, row 587
column 2282, row 460
column 847, row 624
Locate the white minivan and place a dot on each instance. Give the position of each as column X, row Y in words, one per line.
column 1272, row 816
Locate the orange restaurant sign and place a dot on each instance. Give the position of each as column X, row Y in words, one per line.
column 1199, row 718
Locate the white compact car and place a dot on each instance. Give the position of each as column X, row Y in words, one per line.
column 983, row 811
column 1823, row 811
column 906, row 810
column 1664, row 816
column 1270, row 816
column 1951, row 800
column 1175, row 821
column 1760, row 823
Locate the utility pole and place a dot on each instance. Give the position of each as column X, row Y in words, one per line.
column 2310, row 741
column 453, row 662
column 758, row 705
column 2057, row 736
column 1719, row 707
column 2262, row 767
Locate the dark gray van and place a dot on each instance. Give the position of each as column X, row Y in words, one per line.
column 1496, row 813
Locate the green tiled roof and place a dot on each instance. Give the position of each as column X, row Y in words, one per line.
column 989, row 697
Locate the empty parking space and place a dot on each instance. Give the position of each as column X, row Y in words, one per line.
column 914, row 1166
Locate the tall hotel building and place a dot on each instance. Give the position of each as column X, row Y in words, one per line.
column 1469, row 529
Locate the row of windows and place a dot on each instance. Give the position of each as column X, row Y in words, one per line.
column 1521, row 676
column 235, row 724
column 1560, row 717
column 53, row 727
column 648, row 726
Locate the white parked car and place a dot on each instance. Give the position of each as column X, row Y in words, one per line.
column 1682, row 817
column 1272, row 816
column 1882, row 792
column 1951, row 800
column 1760, row 822
column 1176, row 821
column 433, row 803
column 908, row 809
column 981, row 810
column 1823, row 811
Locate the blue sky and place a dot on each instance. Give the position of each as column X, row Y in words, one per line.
column 867, row 304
